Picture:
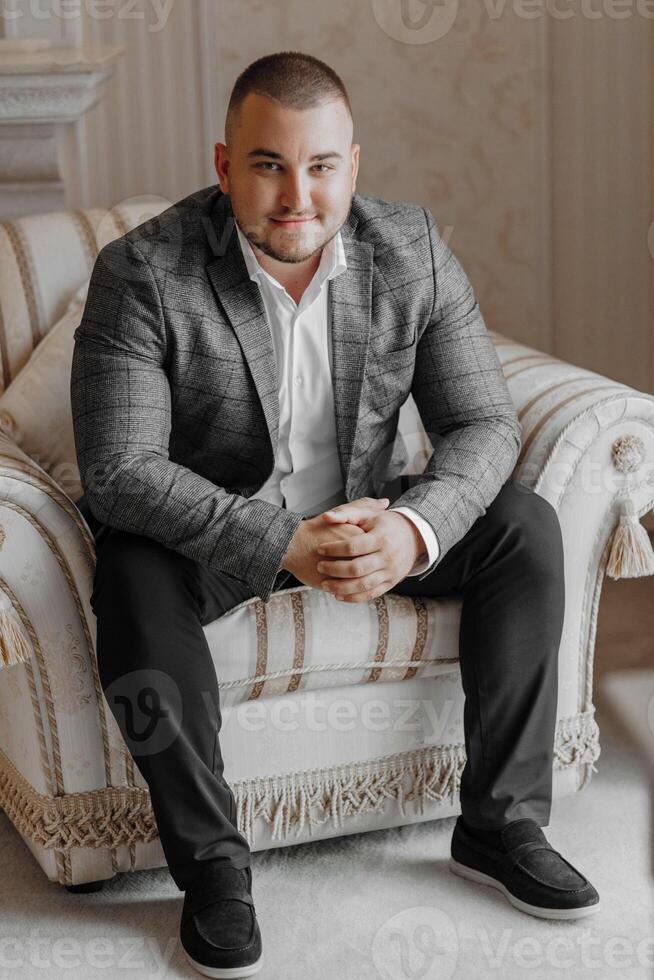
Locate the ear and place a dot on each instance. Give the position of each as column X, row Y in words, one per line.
column 355, row 165
column 221, row 165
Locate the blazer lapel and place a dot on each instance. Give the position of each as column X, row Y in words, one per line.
column 241, row 300
column 350, row 305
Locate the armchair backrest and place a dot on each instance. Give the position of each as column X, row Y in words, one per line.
column 44, row 259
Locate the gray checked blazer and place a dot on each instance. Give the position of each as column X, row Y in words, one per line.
column 174, row 391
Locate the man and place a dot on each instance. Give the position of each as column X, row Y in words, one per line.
column 237, row 377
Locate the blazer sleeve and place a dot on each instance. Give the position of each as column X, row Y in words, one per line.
column 464, row 402
column 121, row 408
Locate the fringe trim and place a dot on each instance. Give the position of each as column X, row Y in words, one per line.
column 113, row 816
column 102, row 818
column 434, row 773
column 631, row 554
column 577, row 742
column 14, row 648
column 316, row 796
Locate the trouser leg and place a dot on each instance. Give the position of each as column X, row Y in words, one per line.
column 508, row 570
column 159, row 680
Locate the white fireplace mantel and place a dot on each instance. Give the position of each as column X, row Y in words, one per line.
column 44, row 95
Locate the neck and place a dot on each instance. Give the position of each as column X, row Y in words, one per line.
column 293, row 276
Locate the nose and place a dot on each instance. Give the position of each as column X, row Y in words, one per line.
column 296, row 196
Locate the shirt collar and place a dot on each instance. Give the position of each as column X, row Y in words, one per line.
column 332, row 260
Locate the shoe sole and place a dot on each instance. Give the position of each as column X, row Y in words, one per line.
column 539, row 911
column 225, row 972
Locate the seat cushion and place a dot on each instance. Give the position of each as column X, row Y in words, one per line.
column 303, row 639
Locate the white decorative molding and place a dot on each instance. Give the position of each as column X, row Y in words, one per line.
column 47, row 98
column 43, row 95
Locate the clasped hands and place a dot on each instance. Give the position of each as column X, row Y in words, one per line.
column 355, row 551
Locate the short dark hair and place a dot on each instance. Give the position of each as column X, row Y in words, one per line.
column 291, row 78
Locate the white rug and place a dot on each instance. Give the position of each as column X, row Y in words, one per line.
column 373, row 905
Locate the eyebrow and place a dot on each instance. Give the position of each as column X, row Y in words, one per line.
column 262, row 152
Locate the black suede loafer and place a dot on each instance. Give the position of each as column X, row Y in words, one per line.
column 219, row 930
column 524, row 866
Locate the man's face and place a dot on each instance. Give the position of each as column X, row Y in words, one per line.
column 272, row 173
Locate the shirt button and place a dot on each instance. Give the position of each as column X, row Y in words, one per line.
column 298, row 382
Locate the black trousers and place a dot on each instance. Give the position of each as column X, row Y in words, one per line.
column 159, row 680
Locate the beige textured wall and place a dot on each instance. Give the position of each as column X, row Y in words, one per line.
column 528, row 137
column 454, row 125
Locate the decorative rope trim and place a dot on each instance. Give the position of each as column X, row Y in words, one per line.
column 577, row 395
column 4, row 354
column 18, row 470
column 123, row 815
column 343, row 665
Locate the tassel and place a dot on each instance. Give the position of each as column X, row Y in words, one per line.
column 13, row 647
column 631, row 554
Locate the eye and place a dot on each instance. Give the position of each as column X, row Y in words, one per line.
column 269, row 163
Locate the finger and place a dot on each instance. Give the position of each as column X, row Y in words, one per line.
column 360, row 544
column 359, row 504
column 381, row 589
column 374, row 501
column 367, row 596
column 332, row 568
column 354, row 586
column 354, row 513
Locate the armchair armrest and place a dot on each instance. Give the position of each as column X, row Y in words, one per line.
column 41, row 530
column 59, row 743
column 588, row 448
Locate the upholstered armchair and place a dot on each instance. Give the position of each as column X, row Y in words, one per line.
column 326, row 731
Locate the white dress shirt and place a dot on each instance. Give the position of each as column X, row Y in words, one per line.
column 307, row 474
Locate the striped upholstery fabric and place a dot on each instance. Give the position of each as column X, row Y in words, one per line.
column 286, row 644
column 549, row 394
column 44, row 259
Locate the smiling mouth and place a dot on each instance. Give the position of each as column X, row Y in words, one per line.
column 292, row 221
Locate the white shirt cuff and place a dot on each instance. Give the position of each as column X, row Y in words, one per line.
column 428, row 536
